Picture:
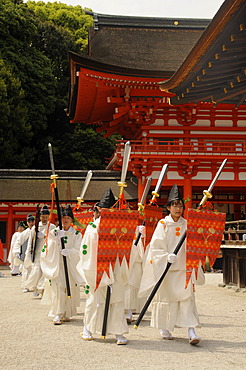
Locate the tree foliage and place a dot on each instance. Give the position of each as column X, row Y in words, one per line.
column 15, row 132
column 34, row 83
column 71, row 19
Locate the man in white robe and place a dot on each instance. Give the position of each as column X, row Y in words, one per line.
column 36, row 280
column 117, row 279
column 14, row 251
column 52, row 264
column 21, row 246
column 174, row 305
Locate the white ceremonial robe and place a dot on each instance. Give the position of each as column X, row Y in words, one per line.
column 25, row 270
column 117, row 279
column 137, row 258
column 12, row 253
column 36, row 280
column 173, row 305
column 52, row 266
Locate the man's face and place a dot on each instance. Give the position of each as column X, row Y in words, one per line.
column 66, row 222
column 44, row 219
column 97, row 212
column 30, row 224
column 20, row 229
column 176, row 209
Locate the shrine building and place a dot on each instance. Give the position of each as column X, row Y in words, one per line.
column 176, row 89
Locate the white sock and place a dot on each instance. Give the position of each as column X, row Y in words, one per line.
column 86, row 332
column 165, row 333
column 129, row 314
column 192, row 333
column 120, row 338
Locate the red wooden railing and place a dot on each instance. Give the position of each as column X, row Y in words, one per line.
column 188, row 147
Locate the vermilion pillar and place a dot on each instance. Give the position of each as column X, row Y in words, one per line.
column 9, row 230
column 187, row 196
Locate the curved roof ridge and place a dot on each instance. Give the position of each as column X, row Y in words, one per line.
column 108, row 20
column 221, row 18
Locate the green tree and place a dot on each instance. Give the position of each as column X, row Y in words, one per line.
column 32, row 74
column 83, row 148
column 15, row 132
column 70, row 18
column 34, row 84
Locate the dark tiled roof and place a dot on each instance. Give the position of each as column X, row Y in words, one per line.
column 143, row 42
column 34, row 185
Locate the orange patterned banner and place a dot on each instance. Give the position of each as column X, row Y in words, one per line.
column 152, row 215
column 116, row 234
column 204, row 234
column 81, row 220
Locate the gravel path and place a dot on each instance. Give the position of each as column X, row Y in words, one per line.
column 29, row 340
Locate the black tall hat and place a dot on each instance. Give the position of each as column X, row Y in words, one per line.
column 67, row 212
column 44, row 211
column 22, row 224
column 30, row 218
column 107, row 200
column 95, row 206
column 174, row 194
